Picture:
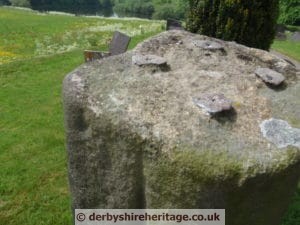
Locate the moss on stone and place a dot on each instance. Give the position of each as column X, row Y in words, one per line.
column 189, row 179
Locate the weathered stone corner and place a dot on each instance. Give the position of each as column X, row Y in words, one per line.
column 136, row 137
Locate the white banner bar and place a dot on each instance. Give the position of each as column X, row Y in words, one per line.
column 150, row 217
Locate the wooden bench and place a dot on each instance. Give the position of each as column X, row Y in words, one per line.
column 118, row 45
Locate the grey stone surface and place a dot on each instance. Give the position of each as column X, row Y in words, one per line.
column 270, row 76
column 208, row 45
column 280, row 133
column 213, row 103
column 295, row 36
column 142, row 60
column 135, row 138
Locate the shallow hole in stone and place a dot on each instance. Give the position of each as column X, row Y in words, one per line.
column 244, row 57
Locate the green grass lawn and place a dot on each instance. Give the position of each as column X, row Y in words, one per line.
column 26, row 34
column 33, row 170
column 289, row 48
column 33, row 175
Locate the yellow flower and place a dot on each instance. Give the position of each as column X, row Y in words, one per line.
column 6, row 54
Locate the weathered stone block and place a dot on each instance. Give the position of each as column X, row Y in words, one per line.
column 136, row 139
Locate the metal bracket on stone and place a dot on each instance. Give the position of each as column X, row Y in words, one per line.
column 149, row 60
column 208, row 45
column 213, row 104
column 270, row 76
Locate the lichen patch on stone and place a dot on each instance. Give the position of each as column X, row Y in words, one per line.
column 280, row 133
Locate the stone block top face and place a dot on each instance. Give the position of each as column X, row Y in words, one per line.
column 159, row 105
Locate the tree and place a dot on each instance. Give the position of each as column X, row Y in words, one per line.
column 73, row 6
column 251, row 23
column 42, row 5
column 20, row 3
column 106, row 7
column 142, row 8
column 4, row 2
column 166, row 9
column 289, row 12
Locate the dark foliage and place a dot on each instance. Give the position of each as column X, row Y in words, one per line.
column 289, row 12
column 138, row 8
column 72, row 6
column 251, row 23
column 4, row 2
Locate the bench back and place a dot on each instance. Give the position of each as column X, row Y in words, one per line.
column 119, row 43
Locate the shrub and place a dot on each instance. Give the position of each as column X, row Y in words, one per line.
column 142, row 8
column 251, row 23
column 165, row 12
column 20, row 3
column 170, row 9
column 4, row 2
column 289, row 12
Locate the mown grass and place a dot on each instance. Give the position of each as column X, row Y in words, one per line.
column 33, row 177
column 33, row 171
column 288, row 47
column 292, row 217
column 25, row 34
